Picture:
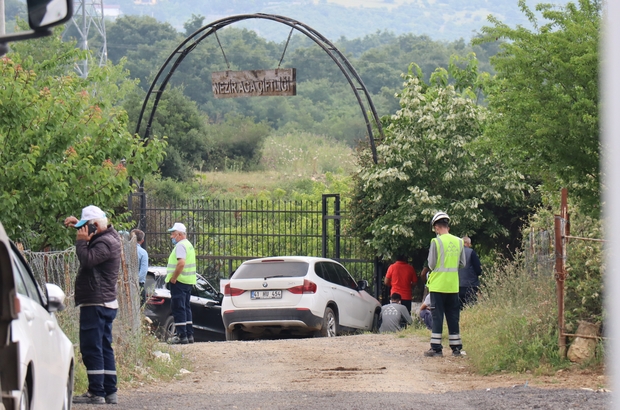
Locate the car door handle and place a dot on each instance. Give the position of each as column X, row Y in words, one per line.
column 50, row 326
column 29, row 315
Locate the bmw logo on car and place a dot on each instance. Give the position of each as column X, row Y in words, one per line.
column 265, row 284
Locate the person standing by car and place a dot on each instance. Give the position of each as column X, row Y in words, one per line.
column 469, row 281
column 394, row 316
column 98, row 248
column 181, row 274
column 401, row 278
column 143, row 263
column 445, row 256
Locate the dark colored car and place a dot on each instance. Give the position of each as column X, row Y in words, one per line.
column 206, row 308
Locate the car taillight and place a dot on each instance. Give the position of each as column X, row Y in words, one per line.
column 228, row 291
column 154, row 300
column 307, row 287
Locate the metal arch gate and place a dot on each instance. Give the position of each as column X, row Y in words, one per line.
column 178, row 55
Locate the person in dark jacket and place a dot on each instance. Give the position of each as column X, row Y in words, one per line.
column 98, row 249
column 469, row 281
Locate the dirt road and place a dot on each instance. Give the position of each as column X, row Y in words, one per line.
column 371, row 370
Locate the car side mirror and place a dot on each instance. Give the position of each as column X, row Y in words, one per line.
column 362, row 284
column 48, row 13
column 42, row 15
column 55, row 298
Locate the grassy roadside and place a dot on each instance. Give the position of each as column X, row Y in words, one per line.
column 137, row 354
column 513, row 326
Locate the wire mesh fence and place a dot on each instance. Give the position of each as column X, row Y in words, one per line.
column 539, row 251
column 61, row 268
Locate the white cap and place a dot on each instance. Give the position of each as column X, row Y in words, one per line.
column 178, row 227
column 89, row 213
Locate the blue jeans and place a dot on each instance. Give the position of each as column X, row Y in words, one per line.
column 96, row 348
column 181, row 309
column 447, row 304
column 427, row 318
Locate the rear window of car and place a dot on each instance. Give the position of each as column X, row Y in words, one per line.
column 271, row 269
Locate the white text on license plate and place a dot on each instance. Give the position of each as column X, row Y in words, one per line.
column 266, row 294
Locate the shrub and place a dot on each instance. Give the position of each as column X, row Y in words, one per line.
column 513, row 326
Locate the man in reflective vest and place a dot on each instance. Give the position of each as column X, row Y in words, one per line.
column 445, row 256
column 181, row 276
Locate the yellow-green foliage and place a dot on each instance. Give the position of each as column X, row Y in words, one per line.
column 513, row 326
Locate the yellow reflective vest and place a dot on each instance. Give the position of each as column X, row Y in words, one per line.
column 445, row 277
column 188, row 275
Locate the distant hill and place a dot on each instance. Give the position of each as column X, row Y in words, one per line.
column 439, row 19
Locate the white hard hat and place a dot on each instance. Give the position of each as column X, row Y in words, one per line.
column 439, row 216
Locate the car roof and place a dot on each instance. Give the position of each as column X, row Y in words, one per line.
column 307, row 259
column 158, row 270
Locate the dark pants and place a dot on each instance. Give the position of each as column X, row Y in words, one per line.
column 142, row 294
column 96, row 348
column 407, row 304
column 181, row 309
column 445, row 304
column 468, row 296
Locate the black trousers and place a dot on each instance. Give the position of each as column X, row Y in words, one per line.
column 448, row 305
column 468, row 296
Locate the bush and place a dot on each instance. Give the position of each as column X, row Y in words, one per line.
column 513, row 326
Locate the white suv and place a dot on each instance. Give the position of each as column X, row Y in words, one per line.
column 296, row 295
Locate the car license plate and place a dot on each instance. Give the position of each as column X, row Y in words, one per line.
column 266, row 294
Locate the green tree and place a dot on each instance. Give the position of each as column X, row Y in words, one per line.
column 179, row 120
column 544, row 98
column 65, row 143
column 427, row 163
column 193, row 24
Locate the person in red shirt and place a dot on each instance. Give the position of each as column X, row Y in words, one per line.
column 401, row 278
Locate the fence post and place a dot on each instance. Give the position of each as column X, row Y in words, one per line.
column 560, row 272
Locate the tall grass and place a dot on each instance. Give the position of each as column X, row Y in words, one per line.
column 513, row 327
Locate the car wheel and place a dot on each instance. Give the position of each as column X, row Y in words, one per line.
column 166, row 331
column 375, row 322
column 330, row 324
column 69, row 391
column 235, row 334
column 24, row 400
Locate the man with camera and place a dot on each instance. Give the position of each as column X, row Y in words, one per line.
column 98, row 248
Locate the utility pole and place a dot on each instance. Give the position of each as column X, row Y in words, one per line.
column 88, row 13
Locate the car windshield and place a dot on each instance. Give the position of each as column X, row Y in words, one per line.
column 271, row 269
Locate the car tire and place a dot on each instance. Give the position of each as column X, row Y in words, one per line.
column 235, row 334
column 24, row 399
column 330, row 324
column 68, row 400
column 375, row 322
column 166, row 331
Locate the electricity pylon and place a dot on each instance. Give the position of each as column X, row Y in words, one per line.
column 87, row 14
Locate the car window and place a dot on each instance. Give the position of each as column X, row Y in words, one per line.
column 25, row 284
column 203, row 289
column 271, row 269
column 344, row 278
column 326, row 270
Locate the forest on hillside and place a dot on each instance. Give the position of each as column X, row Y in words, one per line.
column 231, row 130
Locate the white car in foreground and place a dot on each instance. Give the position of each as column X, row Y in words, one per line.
column 36, row 358
column 296, row 295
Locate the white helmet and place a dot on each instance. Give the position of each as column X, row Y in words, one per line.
column 438, row 216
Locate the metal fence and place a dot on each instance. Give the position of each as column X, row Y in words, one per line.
column 227, row 232
column 61, row 267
